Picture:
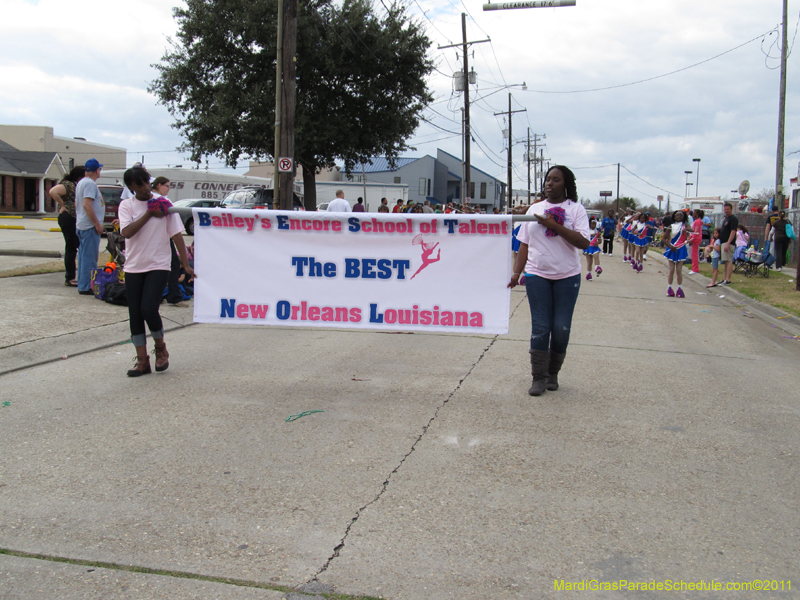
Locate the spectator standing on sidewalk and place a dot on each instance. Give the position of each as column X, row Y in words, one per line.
column 727, row 238
column 339, row 204
column 64, row 194
column 160, row 186
column 89, row 213
column 782, row 240
column 359, row 206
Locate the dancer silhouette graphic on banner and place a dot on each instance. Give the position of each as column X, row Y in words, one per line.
column 427, row 252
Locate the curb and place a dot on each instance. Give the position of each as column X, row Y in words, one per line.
column 12, row 227
column 767, row 313
column 33, row 253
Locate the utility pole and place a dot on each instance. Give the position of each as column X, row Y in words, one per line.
column 782, row 111
column 617, row 189
column 278, row 93
column 285, row 97
column 465, row 191
column 464, row 45
column 509, row 113
column 528, row 157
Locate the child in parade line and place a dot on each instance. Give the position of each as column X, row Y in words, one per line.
column 742, row 241
column 148, row 229
column 549, row 254
column 695, row 240
column 639, row 238
column 713, row 251
column 676, row 252
column 593, row 251
column 651, row 229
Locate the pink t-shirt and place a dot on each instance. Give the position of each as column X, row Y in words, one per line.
column 554, row 257
column 149, row 249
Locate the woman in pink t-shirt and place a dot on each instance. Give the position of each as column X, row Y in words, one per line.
column 550, row 253
column 147, row 229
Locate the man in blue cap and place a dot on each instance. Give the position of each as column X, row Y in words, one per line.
column 89, row 213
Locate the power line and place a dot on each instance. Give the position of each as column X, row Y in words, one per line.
column 648, row 183
column 612, row 87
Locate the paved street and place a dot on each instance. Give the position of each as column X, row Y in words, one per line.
column 670, row 452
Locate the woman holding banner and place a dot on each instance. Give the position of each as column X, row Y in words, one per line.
column 550, row 254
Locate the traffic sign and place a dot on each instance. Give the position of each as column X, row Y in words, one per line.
column 529, row 4
column 285, row 165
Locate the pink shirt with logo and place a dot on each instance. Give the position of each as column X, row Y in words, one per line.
column 149, row 249
column 554, row 257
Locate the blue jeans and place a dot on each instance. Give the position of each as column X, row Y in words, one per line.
column 552, row 303
column 88, row 251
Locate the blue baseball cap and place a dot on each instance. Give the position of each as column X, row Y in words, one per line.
column 92, row 165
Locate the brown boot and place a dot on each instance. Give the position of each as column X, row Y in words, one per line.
column 556, row 360
column 162, row 356
column 142, row 363
column 540, row 364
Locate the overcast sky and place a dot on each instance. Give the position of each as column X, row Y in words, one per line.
column 86, row 74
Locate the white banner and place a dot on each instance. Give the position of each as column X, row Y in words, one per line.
column 404, row 272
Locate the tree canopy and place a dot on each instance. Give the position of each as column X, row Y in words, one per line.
column 361, row 81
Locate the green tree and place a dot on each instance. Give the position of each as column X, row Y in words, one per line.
column 625, row 202
column 360, row 81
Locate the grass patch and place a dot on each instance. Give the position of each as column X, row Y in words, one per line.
column 775, row 290
column 55, row 266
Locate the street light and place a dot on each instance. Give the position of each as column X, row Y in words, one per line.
column 686, row 193
column 697, row 184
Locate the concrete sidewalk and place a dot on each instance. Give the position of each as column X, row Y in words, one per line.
column 670, row 452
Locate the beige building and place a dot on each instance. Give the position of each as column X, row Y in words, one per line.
column 32, row 160
column 71, row 151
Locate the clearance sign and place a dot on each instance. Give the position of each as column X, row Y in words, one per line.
column 405, row 272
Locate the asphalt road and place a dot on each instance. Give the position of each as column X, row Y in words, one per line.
column 669, row 453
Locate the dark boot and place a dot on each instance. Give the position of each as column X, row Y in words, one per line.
column 162, row 356
column 540, row 364
column 556, row 360
column 142, row 364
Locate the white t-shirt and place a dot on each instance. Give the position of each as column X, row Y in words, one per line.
column 554, row 257
column 149, row 249
column 339, row 205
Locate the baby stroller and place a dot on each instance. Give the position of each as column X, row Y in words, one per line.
column 116, row 248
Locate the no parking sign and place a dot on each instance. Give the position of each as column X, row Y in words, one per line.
column 285, row 165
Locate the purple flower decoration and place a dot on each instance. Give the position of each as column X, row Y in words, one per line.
column 559, row 214
column 158, row 204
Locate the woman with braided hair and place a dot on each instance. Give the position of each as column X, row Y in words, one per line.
column 550, row 255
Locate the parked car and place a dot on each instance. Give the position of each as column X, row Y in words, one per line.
column 111, row 197
column 254, row 198
column 187, row 218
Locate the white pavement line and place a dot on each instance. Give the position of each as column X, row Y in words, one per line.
column 385, row 484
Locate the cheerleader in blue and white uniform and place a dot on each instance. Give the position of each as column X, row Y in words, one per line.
column 593, row 251
column 676, row 252
column 639, row 241
column 625, row 234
